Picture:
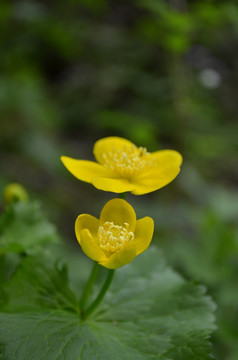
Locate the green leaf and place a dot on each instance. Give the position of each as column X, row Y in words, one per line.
column 23, row 228
column 149, row 313
column 36, row 285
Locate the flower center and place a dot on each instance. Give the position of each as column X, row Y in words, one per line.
column 112, row 237
column 128, row 160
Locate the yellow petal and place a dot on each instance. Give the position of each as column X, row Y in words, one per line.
column 85, row 170
column 120, row 258
column 119, row 212
column 109, row 144
column 167, row 158
column 89, row 247
column 113, row 185
column 154, row 180
column 86, row 221
column 143, row 234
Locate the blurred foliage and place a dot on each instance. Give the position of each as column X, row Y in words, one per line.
column 161, row 73
column 25, row 221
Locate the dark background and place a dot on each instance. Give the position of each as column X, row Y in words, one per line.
column 163, row 74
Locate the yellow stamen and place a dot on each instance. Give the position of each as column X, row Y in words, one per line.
column 113, row 237
column 128, row 160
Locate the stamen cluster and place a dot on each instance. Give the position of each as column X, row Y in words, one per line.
column 113, row 237
column 128, row 160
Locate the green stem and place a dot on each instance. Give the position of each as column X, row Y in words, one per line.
column 122, row 195
column 101, row 295
column 89, row 285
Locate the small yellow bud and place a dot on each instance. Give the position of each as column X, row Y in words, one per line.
column 14, row 192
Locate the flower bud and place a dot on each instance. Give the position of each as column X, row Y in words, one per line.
column 14, row 192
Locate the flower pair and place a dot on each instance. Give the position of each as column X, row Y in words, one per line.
column 117, row 237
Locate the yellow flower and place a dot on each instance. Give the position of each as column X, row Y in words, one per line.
column 116, row 237
column 122, row 167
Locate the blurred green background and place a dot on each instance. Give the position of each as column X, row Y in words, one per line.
column 163, row 74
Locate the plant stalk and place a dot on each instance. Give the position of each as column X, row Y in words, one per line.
column 100, row 296
column 122, row 195
column 89, row 286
